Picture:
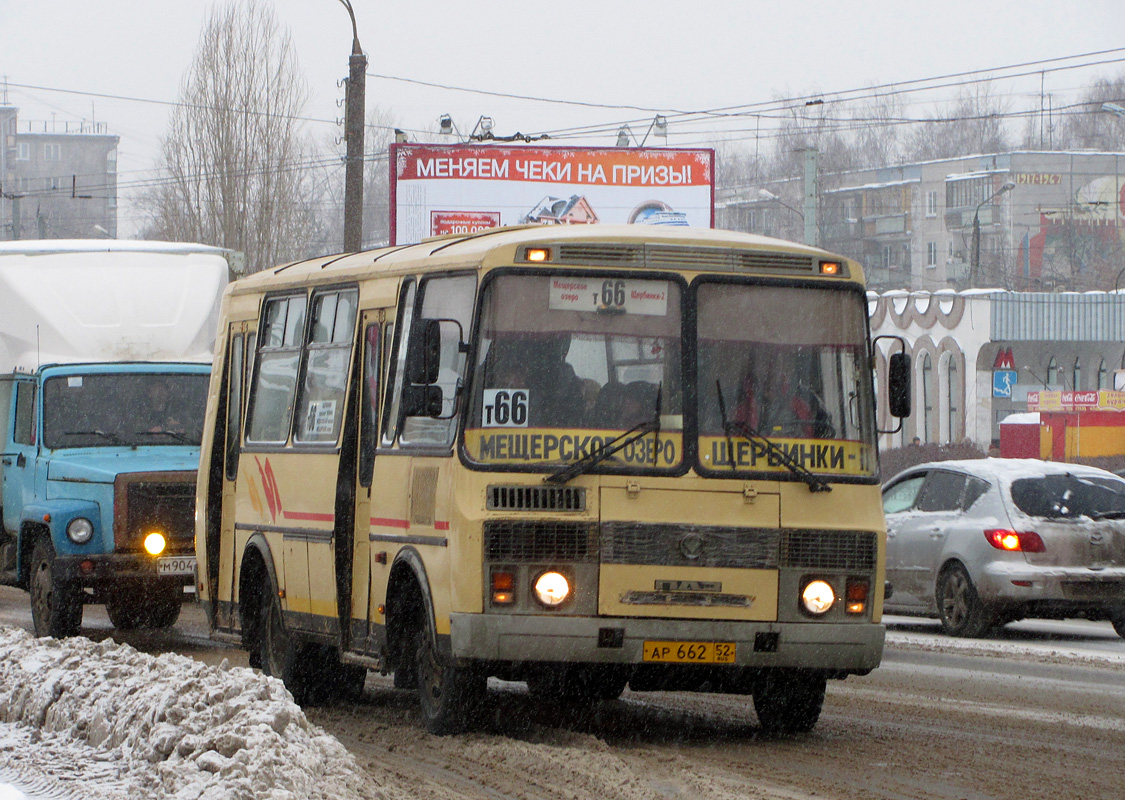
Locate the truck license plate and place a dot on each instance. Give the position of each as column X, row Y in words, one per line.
column 690, row 652
column 175, row 565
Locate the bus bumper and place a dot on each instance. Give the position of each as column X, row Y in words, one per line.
column 848, row 647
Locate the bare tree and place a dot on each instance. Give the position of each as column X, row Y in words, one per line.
column 975, row 124
column 1088, row 125
column 234, row 151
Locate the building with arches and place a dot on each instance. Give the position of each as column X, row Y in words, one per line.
column 981, row 355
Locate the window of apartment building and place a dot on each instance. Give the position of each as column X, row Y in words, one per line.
column 53, row 183
column 931, row 204
column 931, row 254
column 967, row 193
column 889, row 259
column 1076, row 375
column 1052, row 371
column 23, row 151
column 1103, row 376
column 52, row 151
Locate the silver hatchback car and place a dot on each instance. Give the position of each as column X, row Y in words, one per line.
column 984, row 542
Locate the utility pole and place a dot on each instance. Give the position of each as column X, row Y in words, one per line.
column 812, row 194
column 353, row 135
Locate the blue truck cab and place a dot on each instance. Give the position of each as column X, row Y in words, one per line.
column 105, row 352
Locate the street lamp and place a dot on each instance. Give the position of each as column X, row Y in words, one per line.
column 1007, row 187
column 766, row 194
column 1113, row 108
column 353, row 135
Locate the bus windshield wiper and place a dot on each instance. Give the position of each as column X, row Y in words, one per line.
column 595, row 457
column 113, row 437
column 750, row 434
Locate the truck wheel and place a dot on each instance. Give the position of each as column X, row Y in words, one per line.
column 450, row 695
column 140, row 609
column 280, row 655
column 789, row 701
column 56, row 608
column 1118, row 621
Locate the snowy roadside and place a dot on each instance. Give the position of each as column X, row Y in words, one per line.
column 86, row 719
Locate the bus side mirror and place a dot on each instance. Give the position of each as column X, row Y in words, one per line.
column 423, row 354
column 423, row 400
column 898, row 384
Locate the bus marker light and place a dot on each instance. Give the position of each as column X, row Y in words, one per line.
column 538, row 254
column 829, row 268
column 856, row 596
column 503, row 586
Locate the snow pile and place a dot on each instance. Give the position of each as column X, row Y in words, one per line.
column 102, row 719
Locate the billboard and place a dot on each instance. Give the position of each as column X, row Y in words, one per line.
column 462, row 188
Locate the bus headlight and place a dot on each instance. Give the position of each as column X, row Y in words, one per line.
column 552, row 589
column 155, row 544
column 817, row 597
column 79, row 530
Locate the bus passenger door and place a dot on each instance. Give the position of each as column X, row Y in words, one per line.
column 361, row 616
column 226, row 617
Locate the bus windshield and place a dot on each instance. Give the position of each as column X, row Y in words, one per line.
column 567, row 363
column 124, row 409
column 789, row 365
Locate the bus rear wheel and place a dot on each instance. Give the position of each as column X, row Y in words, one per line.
column 278, row 652
column 789, row 701
column 450, row 695
column 56, row 607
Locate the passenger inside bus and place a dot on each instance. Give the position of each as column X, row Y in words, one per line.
column 775, row 399
column 555, row 395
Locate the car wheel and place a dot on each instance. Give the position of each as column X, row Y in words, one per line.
column 959, row 606
column 789, row 701
column 1118, row 621
column 56, row 607
column 450, row 695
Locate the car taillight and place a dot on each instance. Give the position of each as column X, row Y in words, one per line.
column 1022, row 541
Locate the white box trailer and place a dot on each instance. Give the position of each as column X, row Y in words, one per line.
column 105, row 352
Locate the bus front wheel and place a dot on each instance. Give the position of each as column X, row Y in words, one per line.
column 449, row 694
column 789, row 701
column 279, row 653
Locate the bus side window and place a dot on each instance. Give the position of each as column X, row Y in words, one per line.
column 328, row 355
column 444, row 298
column 275, row 378
column 398, row 364
column 369, row 403
column 234, row 406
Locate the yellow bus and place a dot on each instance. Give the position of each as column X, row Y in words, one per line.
column 583, row 457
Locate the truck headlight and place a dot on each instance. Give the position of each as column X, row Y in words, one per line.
column 552, row 589
column 155, row 544
column 817, row 597
column 79, row 530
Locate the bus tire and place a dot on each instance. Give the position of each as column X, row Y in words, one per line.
column 56, row 607
column 789, row 701
column 450, row 695
column 279, row 653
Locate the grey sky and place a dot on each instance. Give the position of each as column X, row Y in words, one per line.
column 660, row 54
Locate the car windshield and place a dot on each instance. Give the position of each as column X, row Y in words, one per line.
column 786, row 363
column 124, row 409
column 568, row 363
column 1068, row 496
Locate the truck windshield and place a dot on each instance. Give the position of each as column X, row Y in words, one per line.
column 124, row 409
column 566, row 363
column 790, row 365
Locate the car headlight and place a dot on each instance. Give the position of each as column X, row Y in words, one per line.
column 79, row 530
column 817, row 597
column 552, row 589
column 155, row 543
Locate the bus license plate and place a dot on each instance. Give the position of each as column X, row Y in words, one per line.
column 175, row 565
column 690, row 652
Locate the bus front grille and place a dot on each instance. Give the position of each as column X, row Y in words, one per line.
column 535, row 498
column 689, row 545
column 820, row 549
column 520, row 542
